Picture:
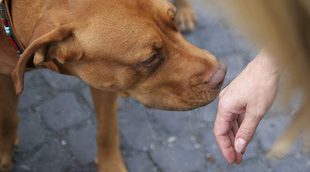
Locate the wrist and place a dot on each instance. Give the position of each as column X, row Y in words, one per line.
column 264, row 62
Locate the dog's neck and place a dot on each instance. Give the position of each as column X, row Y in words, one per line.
column 25, row 14
column 8, row 26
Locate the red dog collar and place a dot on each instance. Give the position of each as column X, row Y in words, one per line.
column 8, row 27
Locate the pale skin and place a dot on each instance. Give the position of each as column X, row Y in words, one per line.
column 242, row 105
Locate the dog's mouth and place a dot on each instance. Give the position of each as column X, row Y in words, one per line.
column 200, row 98
column 189, row 103
column 200, row 101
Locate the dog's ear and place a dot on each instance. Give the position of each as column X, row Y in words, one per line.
column 59, row 52
column 64, row 51
column 40, row 42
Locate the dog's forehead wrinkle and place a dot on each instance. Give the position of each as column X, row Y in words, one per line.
column 136, row 42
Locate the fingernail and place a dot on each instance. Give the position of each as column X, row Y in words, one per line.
column 240, row 145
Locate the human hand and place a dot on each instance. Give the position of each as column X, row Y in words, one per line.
column 242, row 105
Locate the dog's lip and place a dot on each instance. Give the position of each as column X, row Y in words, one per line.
column 188, row 108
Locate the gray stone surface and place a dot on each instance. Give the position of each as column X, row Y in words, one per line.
column 140, row 163
column 135, row 124
column 62, row 111
column 82, row 144
column 49, row 158
column 273, row 126
column 179, row 156
column 58, row 128
column 170, row 123
column 31, row 132
column 60, row 82
column 34, row 90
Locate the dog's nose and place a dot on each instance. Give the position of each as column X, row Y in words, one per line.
column 217, row 77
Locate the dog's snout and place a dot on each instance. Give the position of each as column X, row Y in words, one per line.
column 216, row 78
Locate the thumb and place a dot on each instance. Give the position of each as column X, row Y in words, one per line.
column 246, row 131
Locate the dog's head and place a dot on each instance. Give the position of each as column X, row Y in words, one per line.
column 133, row 47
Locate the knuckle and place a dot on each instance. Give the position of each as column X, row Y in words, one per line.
column 246, row 133
column 224, row 104
column 256, row 116
column 216, row 131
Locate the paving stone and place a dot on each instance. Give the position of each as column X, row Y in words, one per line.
column 274, row 126
column 91, row 167
column 82, row 144
column 210, row 33
column 59, row 81
column 171, row 122
column 234, row 67
column 21, row 168
column 208, row 142
column 136, row 129
column 253, row 150
column 140, row 163
column 87, row 96
column 208, row 113
column 180, row 157
column 253, row 166
column 296, row 163
column 31, row 132
column 35, row 90
column 213, row 38
column 63, row 111
column 51, row 157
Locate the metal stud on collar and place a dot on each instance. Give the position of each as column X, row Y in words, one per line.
column 7, row 30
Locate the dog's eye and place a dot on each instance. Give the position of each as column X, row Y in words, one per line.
column 153, row 61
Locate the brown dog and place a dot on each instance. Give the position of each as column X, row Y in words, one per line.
column 118, row 47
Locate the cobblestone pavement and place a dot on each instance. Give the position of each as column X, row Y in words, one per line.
column 57, row 126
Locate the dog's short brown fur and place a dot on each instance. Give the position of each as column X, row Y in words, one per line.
column 118, row 47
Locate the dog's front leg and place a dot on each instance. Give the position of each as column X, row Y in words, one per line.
column 108, row 157
column 8, row 121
